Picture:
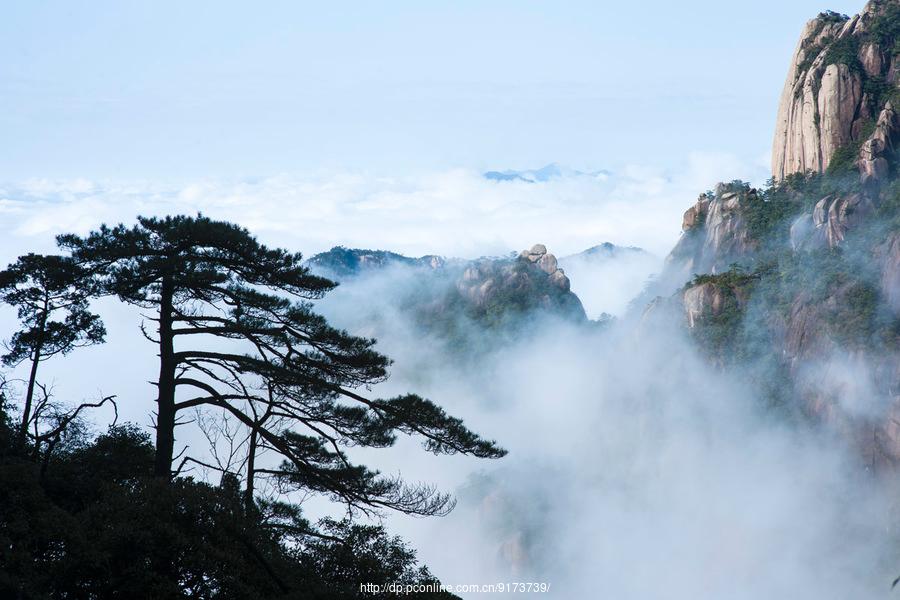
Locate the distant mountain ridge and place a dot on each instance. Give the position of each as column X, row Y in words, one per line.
column 341, row 262
column 545, row 173
column 461, row 301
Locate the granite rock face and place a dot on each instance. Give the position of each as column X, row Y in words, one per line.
column 836, row 100
column 888, row 255
column 715, row 233
column 797, row 146
column 702, row 301
column 799, row 284
column 830, row 220
column 547, row 263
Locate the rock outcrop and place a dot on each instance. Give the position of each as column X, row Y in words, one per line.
column 878, row 148
column 812, row 308
column 695, row 216
column 532, row 281
column 838, row 88
column 715, row 233
column 798, row 146
column 831, row 219
column 716, row 300
column 547, row 263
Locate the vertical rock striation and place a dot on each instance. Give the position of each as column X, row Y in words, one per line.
column 836, row 104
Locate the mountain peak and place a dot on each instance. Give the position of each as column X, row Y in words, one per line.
column 836, row 110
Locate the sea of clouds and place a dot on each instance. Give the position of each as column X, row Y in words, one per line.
column 454, row 212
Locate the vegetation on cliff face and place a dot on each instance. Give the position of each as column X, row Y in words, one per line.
column 718, row 327
column 776, row 275
column 885, row 27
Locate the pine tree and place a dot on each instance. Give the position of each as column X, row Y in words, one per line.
column 278, row 367
column 43, row 288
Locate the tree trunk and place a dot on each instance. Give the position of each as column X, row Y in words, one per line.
column 165, row 402
column 29, row 395
column 32, row 376
column 251, row 471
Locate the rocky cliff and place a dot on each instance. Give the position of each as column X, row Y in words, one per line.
column 715, row 231
column 798, row 284
column 501, row 291
column 457, row 300
column 837, row 105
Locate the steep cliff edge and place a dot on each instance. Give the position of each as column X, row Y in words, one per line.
column 797, row 284
column 837, row 104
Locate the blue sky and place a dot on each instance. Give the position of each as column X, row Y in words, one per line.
column 167, row 90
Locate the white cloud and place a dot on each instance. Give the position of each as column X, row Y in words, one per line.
column 454, row 212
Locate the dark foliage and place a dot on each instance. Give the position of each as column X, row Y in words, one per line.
column 99, row 525
column 107, row 517
column 885, row 29
column 721, row 333
column 830, row 16
column 844, row 51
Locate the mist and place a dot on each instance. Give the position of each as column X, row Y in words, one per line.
column 608, row 283
column 635, row 468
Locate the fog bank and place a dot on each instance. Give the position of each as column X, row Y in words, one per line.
column 636, row 470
